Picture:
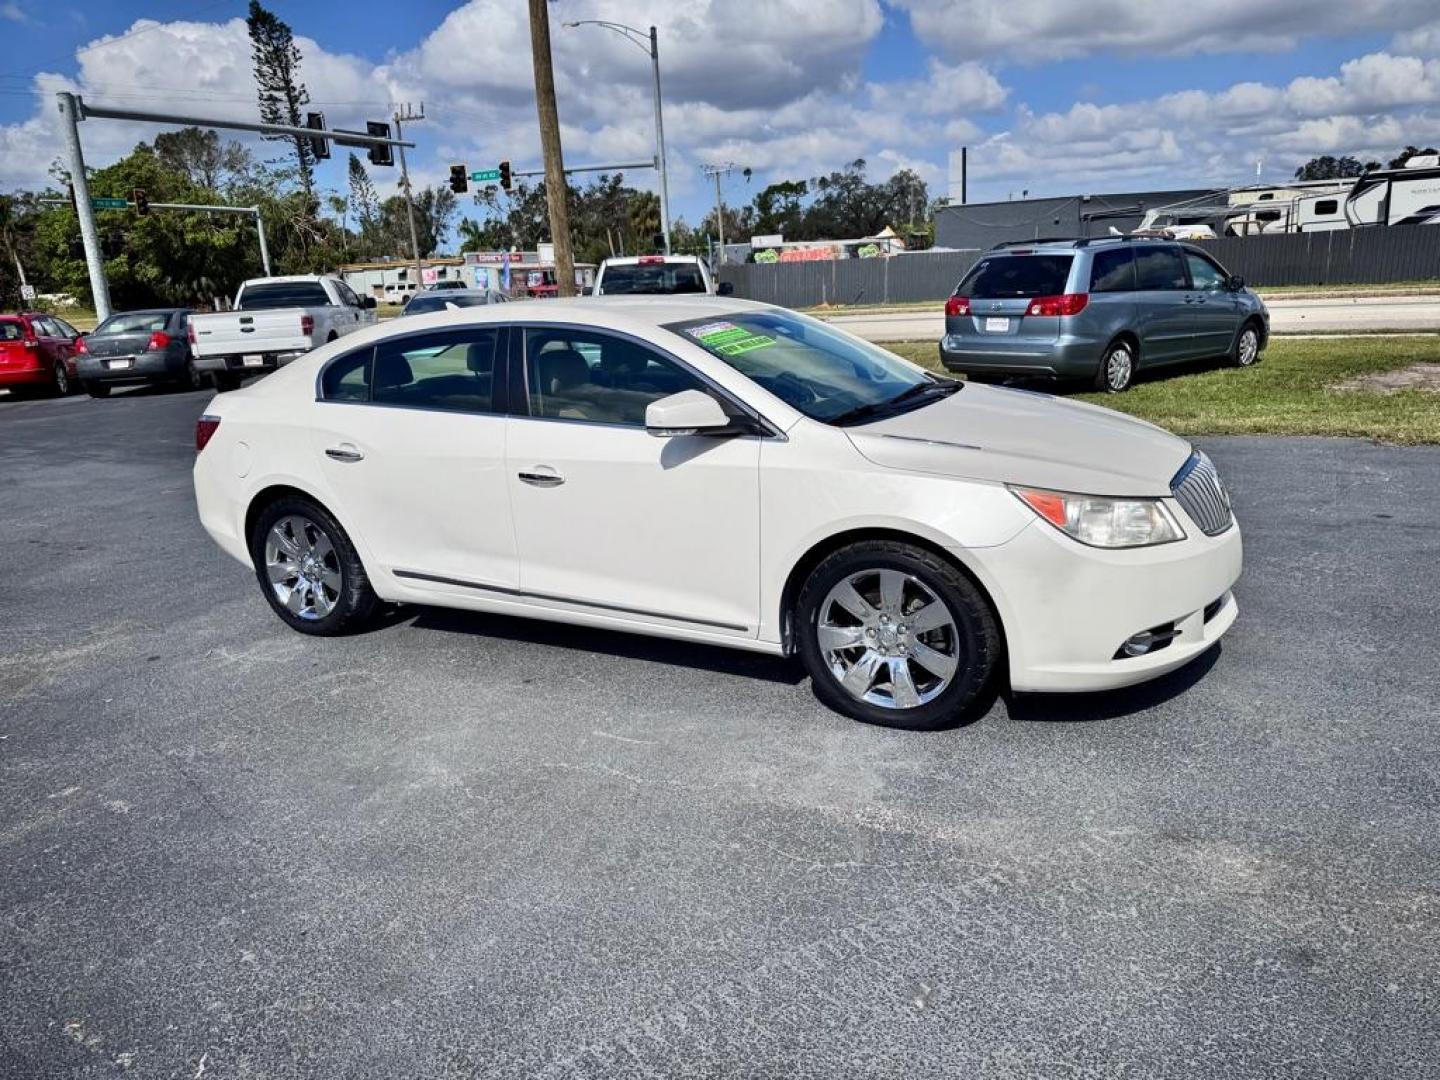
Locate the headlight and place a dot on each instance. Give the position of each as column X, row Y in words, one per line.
column 1104, row 522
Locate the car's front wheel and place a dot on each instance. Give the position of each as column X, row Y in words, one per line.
column 1247, row 347
column 226, row 381
column 892, row 634
column 309, row 570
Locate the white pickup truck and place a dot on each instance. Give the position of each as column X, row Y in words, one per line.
column 652, row 275
column 275, row 319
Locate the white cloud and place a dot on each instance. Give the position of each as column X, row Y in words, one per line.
column 12, row 12
column 1053, row 29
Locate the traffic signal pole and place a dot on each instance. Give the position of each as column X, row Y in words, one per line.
column 89, row 229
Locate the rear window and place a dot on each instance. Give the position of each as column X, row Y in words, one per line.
column 998, row 276
column 662, row 278
column 11, row 330
column 282, row 294
column 137, row 322
column 419, row 305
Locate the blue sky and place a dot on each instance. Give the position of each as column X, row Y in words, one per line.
column 1051, row 97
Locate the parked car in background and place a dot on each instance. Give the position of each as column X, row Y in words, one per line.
column 452, row 283
column 731, row 473
column 37, row 353
column 138, row 347
column 1098, row 309
column 275, row 320
column 657, row 275
column 444, row 300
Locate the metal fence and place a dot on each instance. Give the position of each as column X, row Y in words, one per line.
column 1370, row 256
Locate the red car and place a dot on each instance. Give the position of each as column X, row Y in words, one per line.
column 37, row 351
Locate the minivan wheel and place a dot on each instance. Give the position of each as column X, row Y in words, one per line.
column 1117, row 368
column 1247, row 347
column 892, row 634
column 309, row 570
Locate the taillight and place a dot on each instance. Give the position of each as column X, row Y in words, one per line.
column 307, row 324
column 647, row 260
column 158, row 340
column 80, row 347
column 205, row 428
column 957, row 305
column 1069, row 304
column 190, row 332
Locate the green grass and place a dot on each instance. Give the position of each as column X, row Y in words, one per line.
column 1288, row 393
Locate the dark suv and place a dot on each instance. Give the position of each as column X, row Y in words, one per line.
column 1098, row 309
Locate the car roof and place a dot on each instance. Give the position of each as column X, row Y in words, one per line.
column 1072, row 244
column 633, row 260
column 287, row 279
column 446, row 294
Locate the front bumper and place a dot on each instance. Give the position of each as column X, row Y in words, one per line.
column 1067, row 608
column 140, row 367
column 999, row 355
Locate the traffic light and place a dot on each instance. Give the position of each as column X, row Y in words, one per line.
column 459, row 180
column 141, row 201
column 380, row 155
column 319, row 148
column 505, row 175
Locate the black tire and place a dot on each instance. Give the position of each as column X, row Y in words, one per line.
column 60, row 384
column 193, row 378
column 976, row 643
column 354, row 603
column 97, row 389
column 1246, row 353
column 225, row 381
column 1114, row 375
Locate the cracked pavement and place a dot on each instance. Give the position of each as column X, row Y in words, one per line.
column 463, row 845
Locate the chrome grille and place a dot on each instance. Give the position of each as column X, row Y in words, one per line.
column 1198, row 490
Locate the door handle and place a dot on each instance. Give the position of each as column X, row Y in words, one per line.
column 542, row 479
column 344, row 452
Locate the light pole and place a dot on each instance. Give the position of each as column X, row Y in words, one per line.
column 651, row 44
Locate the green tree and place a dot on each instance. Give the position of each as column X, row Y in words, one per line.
column 363, row 199
column 1328, row 167
column 778, row 208
column 277, row 76
column 201, row 156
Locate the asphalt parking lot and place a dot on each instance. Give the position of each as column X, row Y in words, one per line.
column 464, row 846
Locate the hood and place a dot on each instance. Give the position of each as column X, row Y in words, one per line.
column 1022, row 437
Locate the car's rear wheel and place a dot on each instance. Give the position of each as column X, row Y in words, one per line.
column 194, row 378
column 1117, row 368
column 97, row 389
column 309, row 570
column 892, row 634
column 1247, row 346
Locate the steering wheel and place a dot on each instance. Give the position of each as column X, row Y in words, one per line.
column 794, row 390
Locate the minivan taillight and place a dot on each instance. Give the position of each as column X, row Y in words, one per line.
column 957, row 305
column 307, row 324
column 158, row 340
column 205, row 428
column 1069, row 304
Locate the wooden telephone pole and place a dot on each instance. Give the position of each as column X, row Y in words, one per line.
column 555, row 187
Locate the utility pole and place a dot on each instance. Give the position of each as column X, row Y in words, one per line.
column 555, row 186
column 660, row 144
column 408, row 113
column 718, row 171
column 89, row 231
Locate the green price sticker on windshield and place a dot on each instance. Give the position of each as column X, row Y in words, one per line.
column 727, row 339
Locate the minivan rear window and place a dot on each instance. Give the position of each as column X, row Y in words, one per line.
column 998, row 276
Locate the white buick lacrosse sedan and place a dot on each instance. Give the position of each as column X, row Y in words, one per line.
column 727, row 473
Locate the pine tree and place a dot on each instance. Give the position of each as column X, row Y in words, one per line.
column 364, row 201
column 282, row 94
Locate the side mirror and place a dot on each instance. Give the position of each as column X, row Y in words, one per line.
column 689, row 412
column 367, row 302
column 1235, row 283
column 725, row 288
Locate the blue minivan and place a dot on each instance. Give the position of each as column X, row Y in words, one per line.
column 1098, row 309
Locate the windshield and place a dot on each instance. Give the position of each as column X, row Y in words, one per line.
column 664, row 278
column 282, row 294
column 136, row 322
column 824, row 374
column 998, row 277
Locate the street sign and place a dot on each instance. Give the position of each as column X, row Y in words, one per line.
column 110, row 204
column 27, row 293
column 481, row 175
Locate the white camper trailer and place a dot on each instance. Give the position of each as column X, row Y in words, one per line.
column 1409, row 195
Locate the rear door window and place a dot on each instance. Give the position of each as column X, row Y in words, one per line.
column 998, row 277
column 453, row 370
column 1112, row 270
column 347, row 378
column 1158, row 268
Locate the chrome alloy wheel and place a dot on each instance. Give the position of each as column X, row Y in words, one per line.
column 888, row 639
column 1118, row 368
column 302, row 566
column 1249, row 347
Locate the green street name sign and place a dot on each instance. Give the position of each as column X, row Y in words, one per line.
column 110, row 204
column 481, row 175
